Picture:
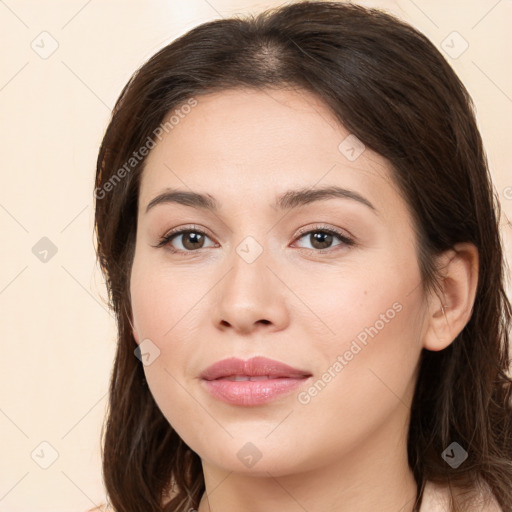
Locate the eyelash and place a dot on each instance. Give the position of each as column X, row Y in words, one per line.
column 347, row 241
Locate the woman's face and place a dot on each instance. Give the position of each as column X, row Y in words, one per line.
column 326, row 283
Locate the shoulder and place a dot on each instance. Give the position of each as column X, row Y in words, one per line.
column 102, row 508
column 437, row 498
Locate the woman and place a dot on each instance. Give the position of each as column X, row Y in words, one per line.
column 299, row 235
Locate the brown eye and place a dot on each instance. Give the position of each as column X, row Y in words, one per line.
column 322, row 239
column 190, row 239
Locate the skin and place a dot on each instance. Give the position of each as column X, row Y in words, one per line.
column 345, row 449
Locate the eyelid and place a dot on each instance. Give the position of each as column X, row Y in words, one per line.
column 324, row 227
column 346, row 238
column 165, row 239
column 191, row 227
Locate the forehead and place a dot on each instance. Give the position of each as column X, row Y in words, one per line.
column 242, row 143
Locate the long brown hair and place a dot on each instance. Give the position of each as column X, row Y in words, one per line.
column 388, row 85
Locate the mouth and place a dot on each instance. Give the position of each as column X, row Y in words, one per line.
column 241, row 378
column 253, row 382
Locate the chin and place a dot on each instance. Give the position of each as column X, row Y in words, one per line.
column 257, row 458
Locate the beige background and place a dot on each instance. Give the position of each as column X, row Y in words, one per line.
column 57, row 334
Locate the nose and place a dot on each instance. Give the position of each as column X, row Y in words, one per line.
column 251, row 297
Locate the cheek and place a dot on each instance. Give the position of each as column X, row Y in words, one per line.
column 370, row 367
column 164, row 301
column 367, row 378
column 359, row 301
column 163, row 313
column 371, row 353
column 184, row 412
column 167, row 311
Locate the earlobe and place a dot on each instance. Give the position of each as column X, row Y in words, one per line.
column 439, row 333
column 449, row 314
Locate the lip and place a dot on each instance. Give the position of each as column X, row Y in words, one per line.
column 259, row 380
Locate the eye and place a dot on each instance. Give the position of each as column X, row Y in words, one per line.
column 190, row 239
column 322, row 238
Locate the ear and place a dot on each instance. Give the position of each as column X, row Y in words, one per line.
column 449, row 314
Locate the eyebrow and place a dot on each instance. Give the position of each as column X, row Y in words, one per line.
column 287, row 201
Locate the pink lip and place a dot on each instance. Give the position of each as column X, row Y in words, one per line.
column 271, row 379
